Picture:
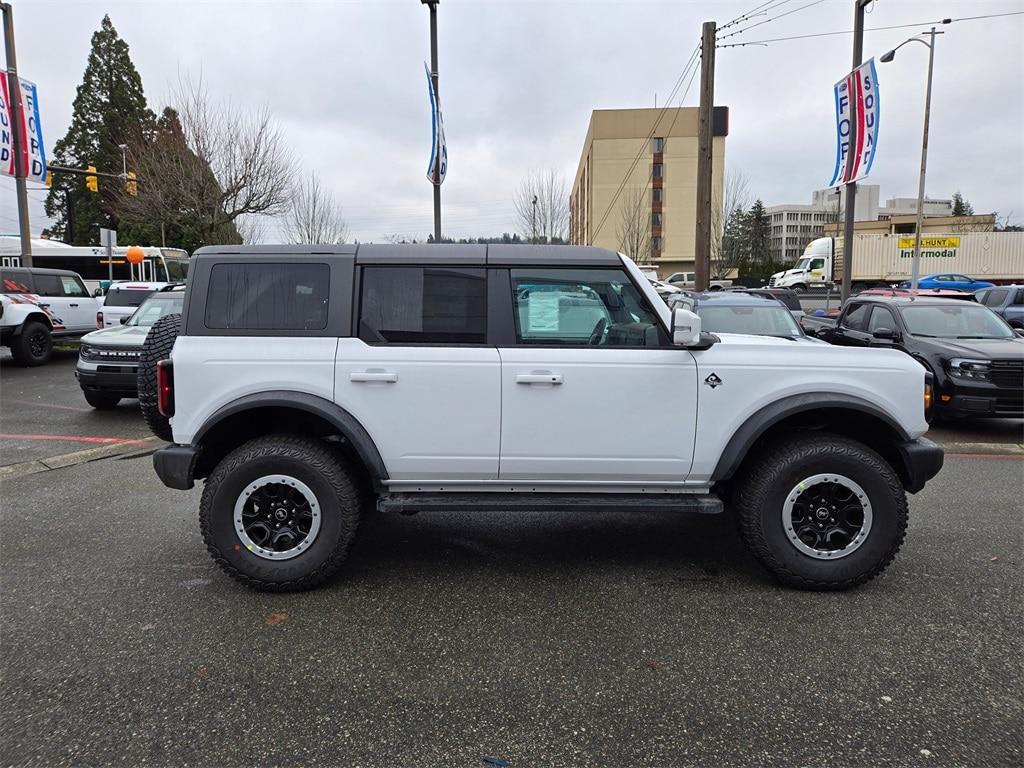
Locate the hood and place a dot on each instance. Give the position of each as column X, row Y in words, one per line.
column 118, row 336
column 979, row 349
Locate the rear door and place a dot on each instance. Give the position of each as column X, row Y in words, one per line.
column 419, row 375
column 591, row 390
column 852, row 328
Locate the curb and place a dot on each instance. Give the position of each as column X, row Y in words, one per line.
column 140, row 447
column 984, row 449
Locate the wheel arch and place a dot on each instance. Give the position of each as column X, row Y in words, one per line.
column 38, row 316
column 283, row 411
column 848, row 415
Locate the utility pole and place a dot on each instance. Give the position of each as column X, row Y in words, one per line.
column 702, row 241
column 432, row 4
column 851, row 188
column 20, row 159
column 69, row 229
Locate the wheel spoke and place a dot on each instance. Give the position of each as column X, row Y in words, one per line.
column 827, row 516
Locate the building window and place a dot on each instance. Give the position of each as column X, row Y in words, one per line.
column 656, row 195
column 656, row 219
column 656, row 248
column 657, row 145
column 658, row 170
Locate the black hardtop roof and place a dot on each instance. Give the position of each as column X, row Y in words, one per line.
column 907, row 301
column 41, row 270
column 427, row 253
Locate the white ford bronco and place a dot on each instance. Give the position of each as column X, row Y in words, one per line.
column 313, row 385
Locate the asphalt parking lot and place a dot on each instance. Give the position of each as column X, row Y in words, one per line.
column 567, row 639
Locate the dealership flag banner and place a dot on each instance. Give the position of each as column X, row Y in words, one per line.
column 438, row 149
column 31, row 130
column 856, row 102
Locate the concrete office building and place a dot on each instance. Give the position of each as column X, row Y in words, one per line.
column 660, row 189
column 793, row 226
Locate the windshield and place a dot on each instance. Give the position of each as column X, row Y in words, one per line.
column 126, row 297
column 802, row 264
column 957, row 321
column 759, row 321
column 154, row 308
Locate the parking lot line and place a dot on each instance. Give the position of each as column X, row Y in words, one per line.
column 37, row 404
column 73, row 439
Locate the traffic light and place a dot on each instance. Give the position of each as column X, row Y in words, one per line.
column 92, row 182
column 131, row 185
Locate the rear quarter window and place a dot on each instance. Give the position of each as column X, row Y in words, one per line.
column 271, row 297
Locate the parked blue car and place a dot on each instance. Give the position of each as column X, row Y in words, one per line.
column 949, row 281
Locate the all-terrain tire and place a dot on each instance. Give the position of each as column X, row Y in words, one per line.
column 102, row 401
column 776, row 470
column 34, row 345
column 157, row 347
column 313, row 463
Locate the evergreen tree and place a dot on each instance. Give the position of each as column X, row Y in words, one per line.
column 961, row 207
column 109, row 109
column 759, row 231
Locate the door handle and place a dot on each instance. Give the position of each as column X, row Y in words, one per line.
column 386, row 376
column 539, row 378
column 72, row 305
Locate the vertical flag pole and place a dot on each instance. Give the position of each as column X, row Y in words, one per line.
column 432, row 4
column 18, row 123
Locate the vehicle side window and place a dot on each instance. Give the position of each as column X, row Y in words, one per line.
column 580, row 307
column 15, row 282
column 943, row 278
column 286, row 296
column 856, row 317
column 817, row 263
column 47, row 285
column 423, row 305
column 881, row 317
column 72, row 286
column 962, row 279
column 995, row 297
column 1019, row 297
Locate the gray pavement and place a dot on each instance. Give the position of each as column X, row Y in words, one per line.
column 545, row 640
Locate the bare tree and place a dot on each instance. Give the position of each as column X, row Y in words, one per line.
column 207, row 164
column 542, row 206
column 735, row 198
column 314, row 215
column 634, row 229
column 252, row 228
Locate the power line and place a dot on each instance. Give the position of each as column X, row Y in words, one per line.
column 773, row 18
column 869, row 29
column 752, row 13
column 646, row 142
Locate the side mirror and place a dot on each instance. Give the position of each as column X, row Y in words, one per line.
column 124, row 320
column 884, row 334
column 685, row 328
column 98, row 293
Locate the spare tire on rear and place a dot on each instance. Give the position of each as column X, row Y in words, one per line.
column 157, row 347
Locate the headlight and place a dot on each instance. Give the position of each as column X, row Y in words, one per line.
column 86, row 351
column 973, row 370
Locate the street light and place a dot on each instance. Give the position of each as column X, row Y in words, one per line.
column 885, row 58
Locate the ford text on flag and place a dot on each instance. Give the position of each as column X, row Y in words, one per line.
column 857, row 104
column 31, row 131
column 439, row 149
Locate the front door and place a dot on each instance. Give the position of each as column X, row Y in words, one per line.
column 852, row 329
column 420, row 377
column 591, row 390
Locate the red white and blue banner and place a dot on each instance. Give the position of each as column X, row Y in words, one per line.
column 438, row 149
column 857, row 104
column 31, row 131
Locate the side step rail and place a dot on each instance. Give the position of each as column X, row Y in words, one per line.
column 410, row 503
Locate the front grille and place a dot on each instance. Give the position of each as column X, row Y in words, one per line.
column 1007, row 373
column 771, row 282
column 110, row 354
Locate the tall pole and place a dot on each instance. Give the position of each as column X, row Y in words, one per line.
column 915, row 273
column 702, row 240
column 533, row 222
column 851, row 188
column 20, row 160
column 432, row 4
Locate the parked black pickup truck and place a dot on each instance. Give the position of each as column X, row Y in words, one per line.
column 976, row 359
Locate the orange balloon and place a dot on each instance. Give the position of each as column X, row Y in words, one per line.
column 134, row 254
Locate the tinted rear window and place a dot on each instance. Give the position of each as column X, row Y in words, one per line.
column 47, row 285
column 423, row 305
column 15, row 282
column 280, row 297
column 125, row 297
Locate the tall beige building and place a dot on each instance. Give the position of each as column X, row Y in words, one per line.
column 659, row 199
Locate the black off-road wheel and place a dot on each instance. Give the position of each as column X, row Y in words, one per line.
column 157, row 347
column 34, row 345
column 102, row 401
column 821, row 511
column 279, row 512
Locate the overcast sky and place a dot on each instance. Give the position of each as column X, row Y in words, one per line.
column 519, row 80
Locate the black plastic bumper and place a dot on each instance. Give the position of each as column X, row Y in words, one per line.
column 922, row 459
column 122, row 382
column 175, row 466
